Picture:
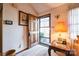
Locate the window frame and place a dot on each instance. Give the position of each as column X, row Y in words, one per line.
column 44, row 16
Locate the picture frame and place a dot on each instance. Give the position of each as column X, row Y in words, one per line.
column 23, row 18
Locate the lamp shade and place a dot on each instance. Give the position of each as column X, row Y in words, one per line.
column 60, row 27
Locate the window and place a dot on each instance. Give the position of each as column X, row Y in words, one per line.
column 44, row 30
column 73, row 20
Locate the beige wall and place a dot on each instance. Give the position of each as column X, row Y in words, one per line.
column 13, row 34
column 62, row 11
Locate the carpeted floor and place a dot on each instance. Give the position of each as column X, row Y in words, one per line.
column 37, row 50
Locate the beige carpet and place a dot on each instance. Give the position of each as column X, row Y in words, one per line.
column 37, row 50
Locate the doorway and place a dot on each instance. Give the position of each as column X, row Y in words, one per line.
column 33, row 30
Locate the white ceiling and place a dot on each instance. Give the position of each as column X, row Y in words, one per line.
column 39, row 8
column 43, row 7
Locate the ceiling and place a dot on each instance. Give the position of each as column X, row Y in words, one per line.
column 39, row 8
column 43, row 7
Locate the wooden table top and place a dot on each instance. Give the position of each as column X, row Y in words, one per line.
column 61, row 46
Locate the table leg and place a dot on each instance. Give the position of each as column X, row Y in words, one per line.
column 69, row 53
column 49, row 51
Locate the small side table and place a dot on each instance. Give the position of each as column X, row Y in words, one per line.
column 67, row 52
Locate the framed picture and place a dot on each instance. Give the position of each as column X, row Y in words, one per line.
column 23, row 18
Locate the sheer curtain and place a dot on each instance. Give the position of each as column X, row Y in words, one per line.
column 73, row 19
